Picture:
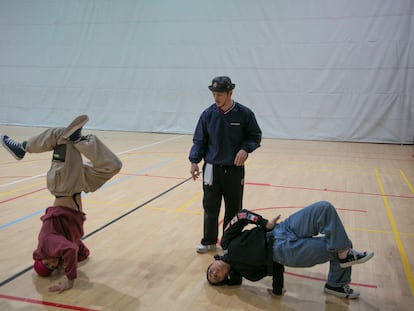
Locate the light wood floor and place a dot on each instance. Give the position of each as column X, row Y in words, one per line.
column 144, row 224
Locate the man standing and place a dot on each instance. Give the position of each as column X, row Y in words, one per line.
column 225, row 134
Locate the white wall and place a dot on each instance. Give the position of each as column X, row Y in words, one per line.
column 310, row 69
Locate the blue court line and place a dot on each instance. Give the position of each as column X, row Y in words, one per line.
column 22, row 218
column 143, row 171
column 108, row 184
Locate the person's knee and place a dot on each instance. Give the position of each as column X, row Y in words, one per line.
column 117, row 166
column 327, row 206
column 114, row 167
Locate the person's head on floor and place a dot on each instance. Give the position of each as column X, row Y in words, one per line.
column 218, row 272
column 45, row 267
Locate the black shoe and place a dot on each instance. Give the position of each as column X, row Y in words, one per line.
column 73, row 131
column 15, row 148
column 354, row 257
column 341, row 291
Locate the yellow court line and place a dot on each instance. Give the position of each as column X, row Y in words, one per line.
column 407, row 181
column 196, row 197
column 377, row 231
column 165, row 209
column 397, row 237
column 100, row 203
column 22, row 188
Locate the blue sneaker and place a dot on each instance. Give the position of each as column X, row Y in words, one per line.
column 15, row 148
column 354, row 257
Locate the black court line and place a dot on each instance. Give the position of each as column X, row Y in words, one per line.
column 102, row 227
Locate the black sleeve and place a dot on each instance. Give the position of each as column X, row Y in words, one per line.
column 277, row 282
column 236, row 225
column 198, row 149
column 234, row 278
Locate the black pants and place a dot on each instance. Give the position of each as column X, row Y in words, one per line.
column 228, row 183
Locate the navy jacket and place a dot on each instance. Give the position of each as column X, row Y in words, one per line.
column 219, row 136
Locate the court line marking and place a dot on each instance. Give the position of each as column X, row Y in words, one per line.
column 186, row 204
column 407, row 181
column 136, row 208
column 23, row 195
column 22, row 180
column 324, row 279
column 45, row 303
column 28, row 216
column 17, row 190
column 150, row 145
column 403, row 255
column 329, row 190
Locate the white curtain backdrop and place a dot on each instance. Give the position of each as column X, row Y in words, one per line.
column 339, row 70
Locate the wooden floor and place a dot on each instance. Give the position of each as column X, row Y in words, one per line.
column 143, row 226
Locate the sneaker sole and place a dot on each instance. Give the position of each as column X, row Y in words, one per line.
column 75, row 125
column 8, row 149
column 354, row 295
column 356, row 262
column 205, row 250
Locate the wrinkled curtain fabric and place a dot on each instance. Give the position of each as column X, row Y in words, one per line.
column 339, row 70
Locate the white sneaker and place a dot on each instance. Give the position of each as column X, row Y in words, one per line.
column 342, row 291
column 201, row 249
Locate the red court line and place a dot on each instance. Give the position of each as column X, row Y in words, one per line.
column 348, row 156
column 23, row 195
column 324, row 280
column 8, row 177
column 149, row 175
column 295, row 207
column 46, row 303
column 339, row 209
column 329, row 190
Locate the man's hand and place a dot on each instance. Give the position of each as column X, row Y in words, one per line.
column 272, row 223
column 62, row 286
column 194, row 171
column 240, row 158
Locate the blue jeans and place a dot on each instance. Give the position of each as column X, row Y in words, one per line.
column 312, row 236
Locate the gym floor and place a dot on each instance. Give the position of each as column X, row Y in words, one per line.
column 143, row 226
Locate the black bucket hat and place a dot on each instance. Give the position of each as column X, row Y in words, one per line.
column 221, row 84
